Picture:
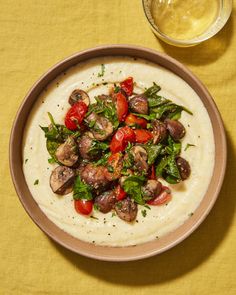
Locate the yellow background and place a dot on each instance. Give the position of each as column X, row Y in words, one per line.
column 34, row 35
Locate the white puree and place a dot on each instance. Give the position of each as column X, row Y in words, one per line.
column 108, row 230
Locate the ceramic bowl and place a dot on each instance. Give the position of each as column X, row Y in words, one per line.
column 117, row 253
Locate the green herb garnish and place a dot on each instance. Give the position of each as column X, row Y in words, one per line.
column 132, row 186
column 36, row 182
column 82, row 190
column 188, row 145
column 101, row 74
column 144, row 213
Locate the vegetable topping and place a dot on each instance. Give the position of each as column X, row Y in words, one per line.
column 115, row 153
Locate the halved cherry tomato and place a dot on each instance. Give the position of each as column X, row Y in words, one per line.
column 127, row 85
column 83, row 206
column 163, row 198
column 120, row 193
column 121, row 138
column 122, row 106
column 132, row 120
column 115, row 162
column 142, row 135
column 75, row 115
column 153, row 173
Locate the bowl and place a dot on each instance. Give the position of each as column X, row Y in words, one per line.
column 178, row 16
column 117, row 253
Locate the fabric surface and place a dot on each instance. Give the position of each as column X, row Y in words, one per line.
column 34, row 35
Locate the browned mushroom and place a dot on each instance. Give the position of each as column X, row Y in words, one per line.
column 176, row 129
column 62, row 179
column 77, row 95
column 159, row 131
column 184, row 168
column 139, row 104
column 94, row 176
column 102, row 127
column 106, row 201
column 85, row 144
column 151, row 189
column 126, row 209
column 140, row 157
column 66, row 153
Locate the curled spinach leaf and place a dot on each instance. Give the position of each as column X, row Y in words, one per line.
column 132, row 186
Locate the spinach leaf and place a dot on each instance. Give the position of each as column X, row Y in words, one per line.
column 153, row 152
column 82, row 190
column 97, row 147
column 132, row 186
column 161, row 166
column 151, row 91
column 57, row 132
column 173, row 146
column 156, row 101
column 150, row 117
column 52, row 147
column 172, row 168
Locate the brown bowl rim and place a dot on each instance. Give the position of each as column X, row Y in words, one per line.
column 106, row 253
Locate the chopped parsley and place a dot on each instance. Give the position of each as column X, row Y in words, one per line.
column 36, row 182
column 102, row 72
column 188, row 145
column 144, row 213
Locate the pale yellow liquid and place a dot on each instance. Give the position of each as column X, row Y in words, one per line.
column 184, row 19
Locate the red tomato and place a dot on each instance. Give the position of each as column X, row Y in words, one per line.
column 115, row 161
column 83, row 206
column 75, row 115
column 127, row 85
column 120, row 193
column 153, row 173
column 132, row 120
column 163, row 198
column 142, row 135
column 121, row 138
column 122, row 106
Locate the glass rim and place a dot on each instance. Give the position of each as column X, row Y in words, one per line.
column 189, row 42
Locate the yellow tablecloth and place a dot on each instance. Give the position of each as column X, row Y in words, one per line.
column 34, row 35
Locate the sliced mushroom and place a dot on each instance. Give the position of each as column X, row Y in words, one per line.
column 184, row 168
column 78, row 95
column 94, row 176
column 139, row 104
column 66, row 153
column 106, row 201
column 159, row 131
column 62, row 179
column 85, row 144
column 126, row 209
column 102, row 127
column 152, row 189
column 176, row 129
column 140, row 158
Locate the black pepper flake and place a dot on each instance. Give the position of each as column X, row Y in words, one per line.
column 109, row 234
column 42, row 101
column 58, row 105
column 188, row 125
column 113, row 225
column 157, row 237
column 97, row 85
column 31, row 148
column 198, row 136
column 136, row 220
column 111, row 72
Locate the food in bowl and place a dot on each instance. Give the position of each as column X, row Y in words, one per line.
column 128, row 154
